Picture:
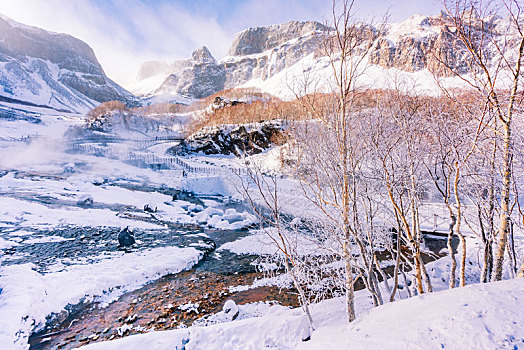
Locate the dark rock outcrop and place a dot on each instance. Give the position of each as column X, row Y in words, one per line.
column 239, row 140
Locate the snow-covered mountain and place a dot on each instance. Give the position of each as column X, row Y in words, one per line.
column 256, row 54
column 43, row 68
column 272, row 56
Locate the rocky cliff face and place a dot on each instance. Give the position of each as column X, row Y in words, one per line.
column 420, row 43
column 196, row 77
column 256, row 53
column 259, row 54
column 263, row 52
column 260, row 39
column 50, row 69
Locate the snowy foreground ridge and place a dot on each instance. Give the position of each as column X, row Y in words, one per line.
column 479, row 316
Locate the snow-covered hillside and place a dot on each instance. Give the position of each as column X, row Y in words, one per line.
column 43, row 68
column 274, row 58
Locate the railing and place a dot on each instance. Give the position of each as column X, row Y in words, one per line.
column 139, row 143
column 150, row 159
column 434, row 223
column 25, row 139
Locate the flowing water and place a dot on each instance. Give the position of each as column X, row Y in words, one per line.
column 155, row 305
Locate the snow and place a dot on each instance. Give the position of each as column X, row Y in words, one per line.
column 211, row 185
column 35, row 214
column 26, row 292
column 5, row 244
column 416, row 26
column 35, row 87
column 279, row 329
column 231, row 311
column 290, row 80
column 479, row 316
column 83, row 183
column 260, row 242
column 28, row 296
column 167, row 97
column 281, row 281
column 52, row 126
column 156, row 340
column 47, row 239
column 190, row 307
column 147, row 85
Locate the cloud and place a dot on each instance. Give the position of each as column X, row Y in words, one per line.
column 256, row 13
column 125, row 33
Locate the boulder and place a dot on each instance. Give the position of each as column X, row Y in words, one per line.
column 231, row 309
column 126, row 238
column 148, row 209
column 85, row 201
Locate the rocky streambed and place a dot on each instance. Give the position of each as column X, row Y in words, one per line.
column 63, row 254
column 173, row 301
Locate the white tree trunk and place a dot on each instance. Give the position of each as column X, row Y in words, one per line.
column 505, row 204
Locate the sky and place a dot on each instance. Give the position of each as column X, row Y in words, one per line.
column 125, row 33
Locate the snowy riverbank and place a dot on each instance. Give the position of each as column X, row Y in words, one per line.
column 479, row 316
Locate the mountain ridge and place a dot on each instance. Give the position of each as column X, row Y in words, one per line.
column 261, row 56
column 52, row 69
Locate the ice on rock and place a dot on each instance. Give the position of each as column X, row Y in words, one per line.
column 85, row 201
column 69, row 168
column 206, row 215
column 232, row 215
column 230, row 309
column 6, row 244
column 195, row 208
column 217, row 221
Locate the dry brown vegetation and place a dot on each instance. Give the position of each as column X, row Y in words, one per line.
column 106, row 108
column 313, row 105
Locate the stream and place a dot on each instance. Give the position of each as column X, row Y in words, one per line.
column 159, row 304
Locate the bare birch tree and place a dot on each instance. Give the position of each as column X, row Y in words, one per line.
column 331, row 152
column 398, row 146
column 262, row 192
column 455, row 134
column 478, row 37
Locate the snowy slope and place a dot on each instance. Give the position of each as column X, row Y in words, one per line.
column 480, row 316
column 43, row 68
column 28, row 296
